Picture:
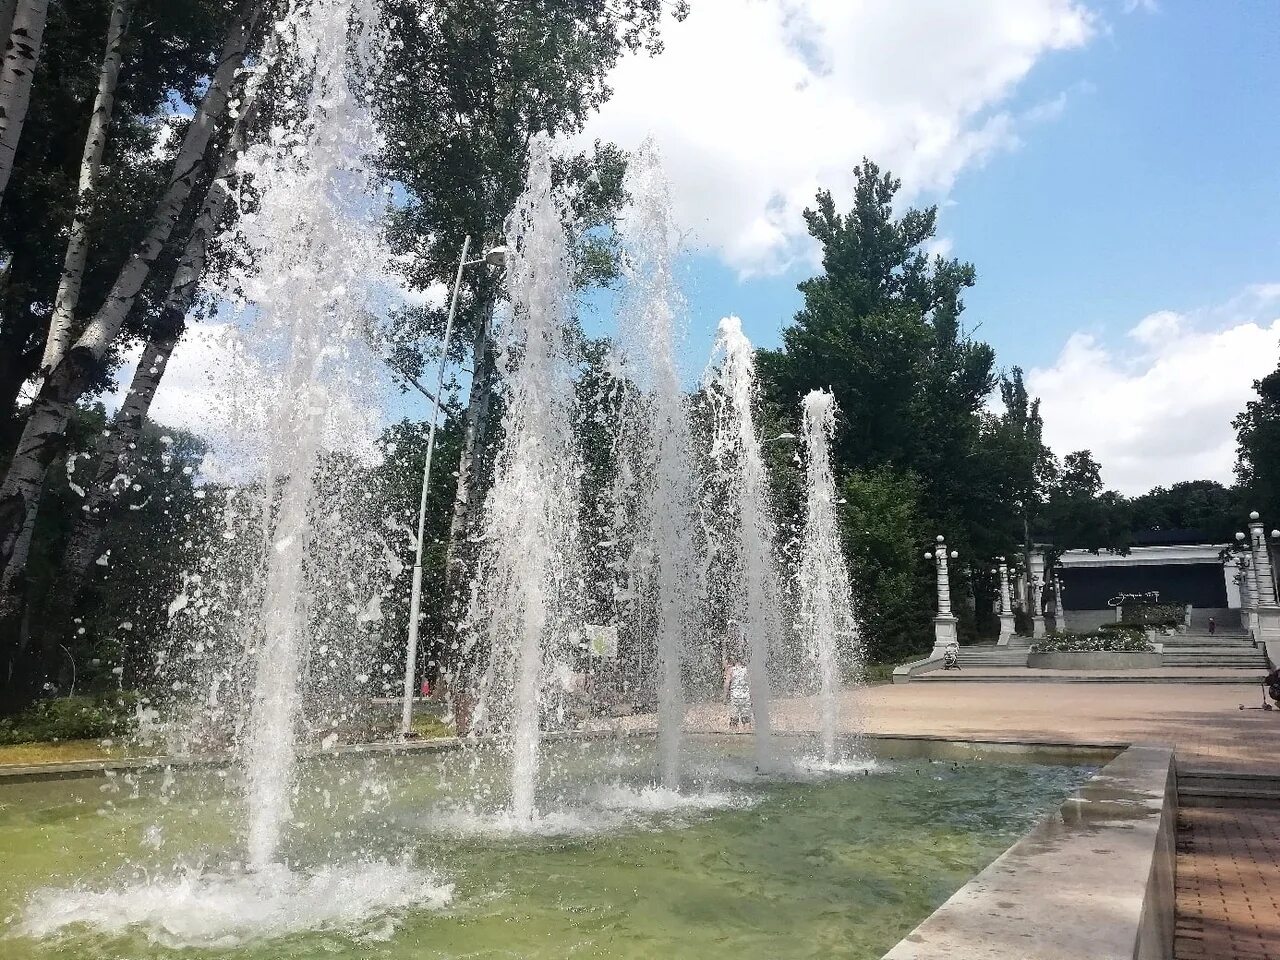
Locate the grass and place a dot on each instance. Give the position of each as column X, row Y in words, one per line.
column 56, row 751
column 427, row 727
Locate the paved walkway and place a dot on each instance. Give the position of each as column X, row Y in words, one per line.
column 1204, row 721
column 1228, row 886
column 969, row 674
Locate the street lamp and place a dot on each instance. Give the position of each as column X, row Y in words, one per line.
column 494, row 257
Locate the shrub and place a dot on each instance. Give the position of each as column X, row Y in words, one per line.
column 72, row 718
column 1128, row 640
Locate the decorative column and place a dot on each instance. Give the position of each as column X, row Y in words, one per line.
column 1264, row 587
column 1248, row 604
column 945, row 624
column 1006, row 604
column 1037, row 608
column 1059, row 611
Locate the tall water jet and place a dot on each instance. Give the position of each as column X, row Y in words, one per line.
column 826, row 603
column 736, row 455
column 310, row 232
column 524, row 607
column 663, row 470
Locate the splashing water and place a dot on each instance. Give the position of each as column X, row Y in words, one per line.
column 525, row 606
column 664, row 461
column 313, row 241
column 737, row 455
column 826, row 608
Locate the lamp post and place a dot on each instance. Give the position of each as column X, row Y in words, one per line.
column 494, row 257
column 1059, row 611
column 945, row 624
column 1006, row 604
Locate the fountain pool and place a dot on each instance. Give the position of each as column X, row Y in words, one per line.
column 416, row 855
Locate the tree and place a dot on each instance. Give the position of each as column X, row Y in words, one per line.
column 1079, row 514
column 881, row 329
column 95, row 143
column 1015, row 441
column 172, row 57
column 465, row 92
column 17, row 72
column 1258, row 447
column 75, row 372
column 1201, row 505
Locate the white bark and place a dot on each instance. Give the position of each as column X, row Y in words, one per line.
column 16, row 73
column 68, row 296
column 41, row 435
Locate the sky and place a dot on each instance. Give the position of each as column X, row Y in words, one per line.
column 1110, row 167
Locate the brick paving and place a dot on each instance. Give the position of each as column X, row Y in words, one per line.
column 1228, row 885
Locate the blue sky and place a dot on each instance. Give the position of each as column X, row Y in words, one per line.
column 1100, row 163
column 1156, row 187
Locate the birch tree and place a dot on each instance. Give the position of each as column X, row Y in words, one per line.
column 116, row 446
column 66, row 383
column 170, row 59
column 16, row 73
column 68, row 296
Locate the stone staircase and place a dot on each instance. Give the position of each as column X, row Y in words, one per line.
column 1223, row 788
column 991, row 655
column 1224, row 650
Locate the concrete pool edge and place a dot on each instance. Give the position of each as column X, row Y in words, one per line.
column 913, row 745
column 1095, row 879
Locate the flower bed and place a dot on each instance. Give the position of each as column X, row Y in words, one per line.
column 1130, row 640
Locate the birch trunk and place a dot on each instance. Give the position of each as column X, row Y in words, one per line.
column 7, row 10
column 16, row 73
column 68, row 380
column 479, row 400
column 68, row 296
column 113, row 453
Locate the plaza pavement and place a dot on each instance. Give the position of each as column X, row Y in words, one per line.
column 1203, row 721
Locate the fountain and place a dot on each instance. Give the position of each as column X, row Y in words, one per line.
column 662, row 460
column 826, row 609
column 312, row 242
column 525, row 604
column 578, row 850
column 736, row 455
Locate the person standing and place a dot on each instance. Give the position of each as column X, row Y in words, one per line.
column 1212, row 626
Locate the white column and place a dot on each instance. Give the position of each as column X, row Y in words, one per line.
column 945, row 624
column 1059, row 609
column 1006, row 604
column 1264, row 587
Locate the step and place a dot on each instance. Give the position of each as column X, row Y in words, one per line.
column 1066, row 676
column 1223, row 788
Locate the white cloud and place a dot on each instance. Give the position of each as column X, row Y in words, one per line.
column 1159, row 410
column 758, row 103
column 196, row 372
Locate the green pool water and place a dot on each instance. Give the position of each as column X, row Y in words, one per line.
column 408, row 857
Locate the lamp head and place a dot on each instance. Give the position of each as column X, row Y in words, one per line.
column 1253, row 515
column 955, row 554
column 940, row 538
column 1239, row 537
column 496, row 257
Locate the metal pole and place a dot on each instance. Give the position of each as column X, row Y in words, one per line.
column 415, row 594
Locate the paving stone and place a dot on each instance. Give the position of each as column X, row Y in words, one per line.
column 1228, row 884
